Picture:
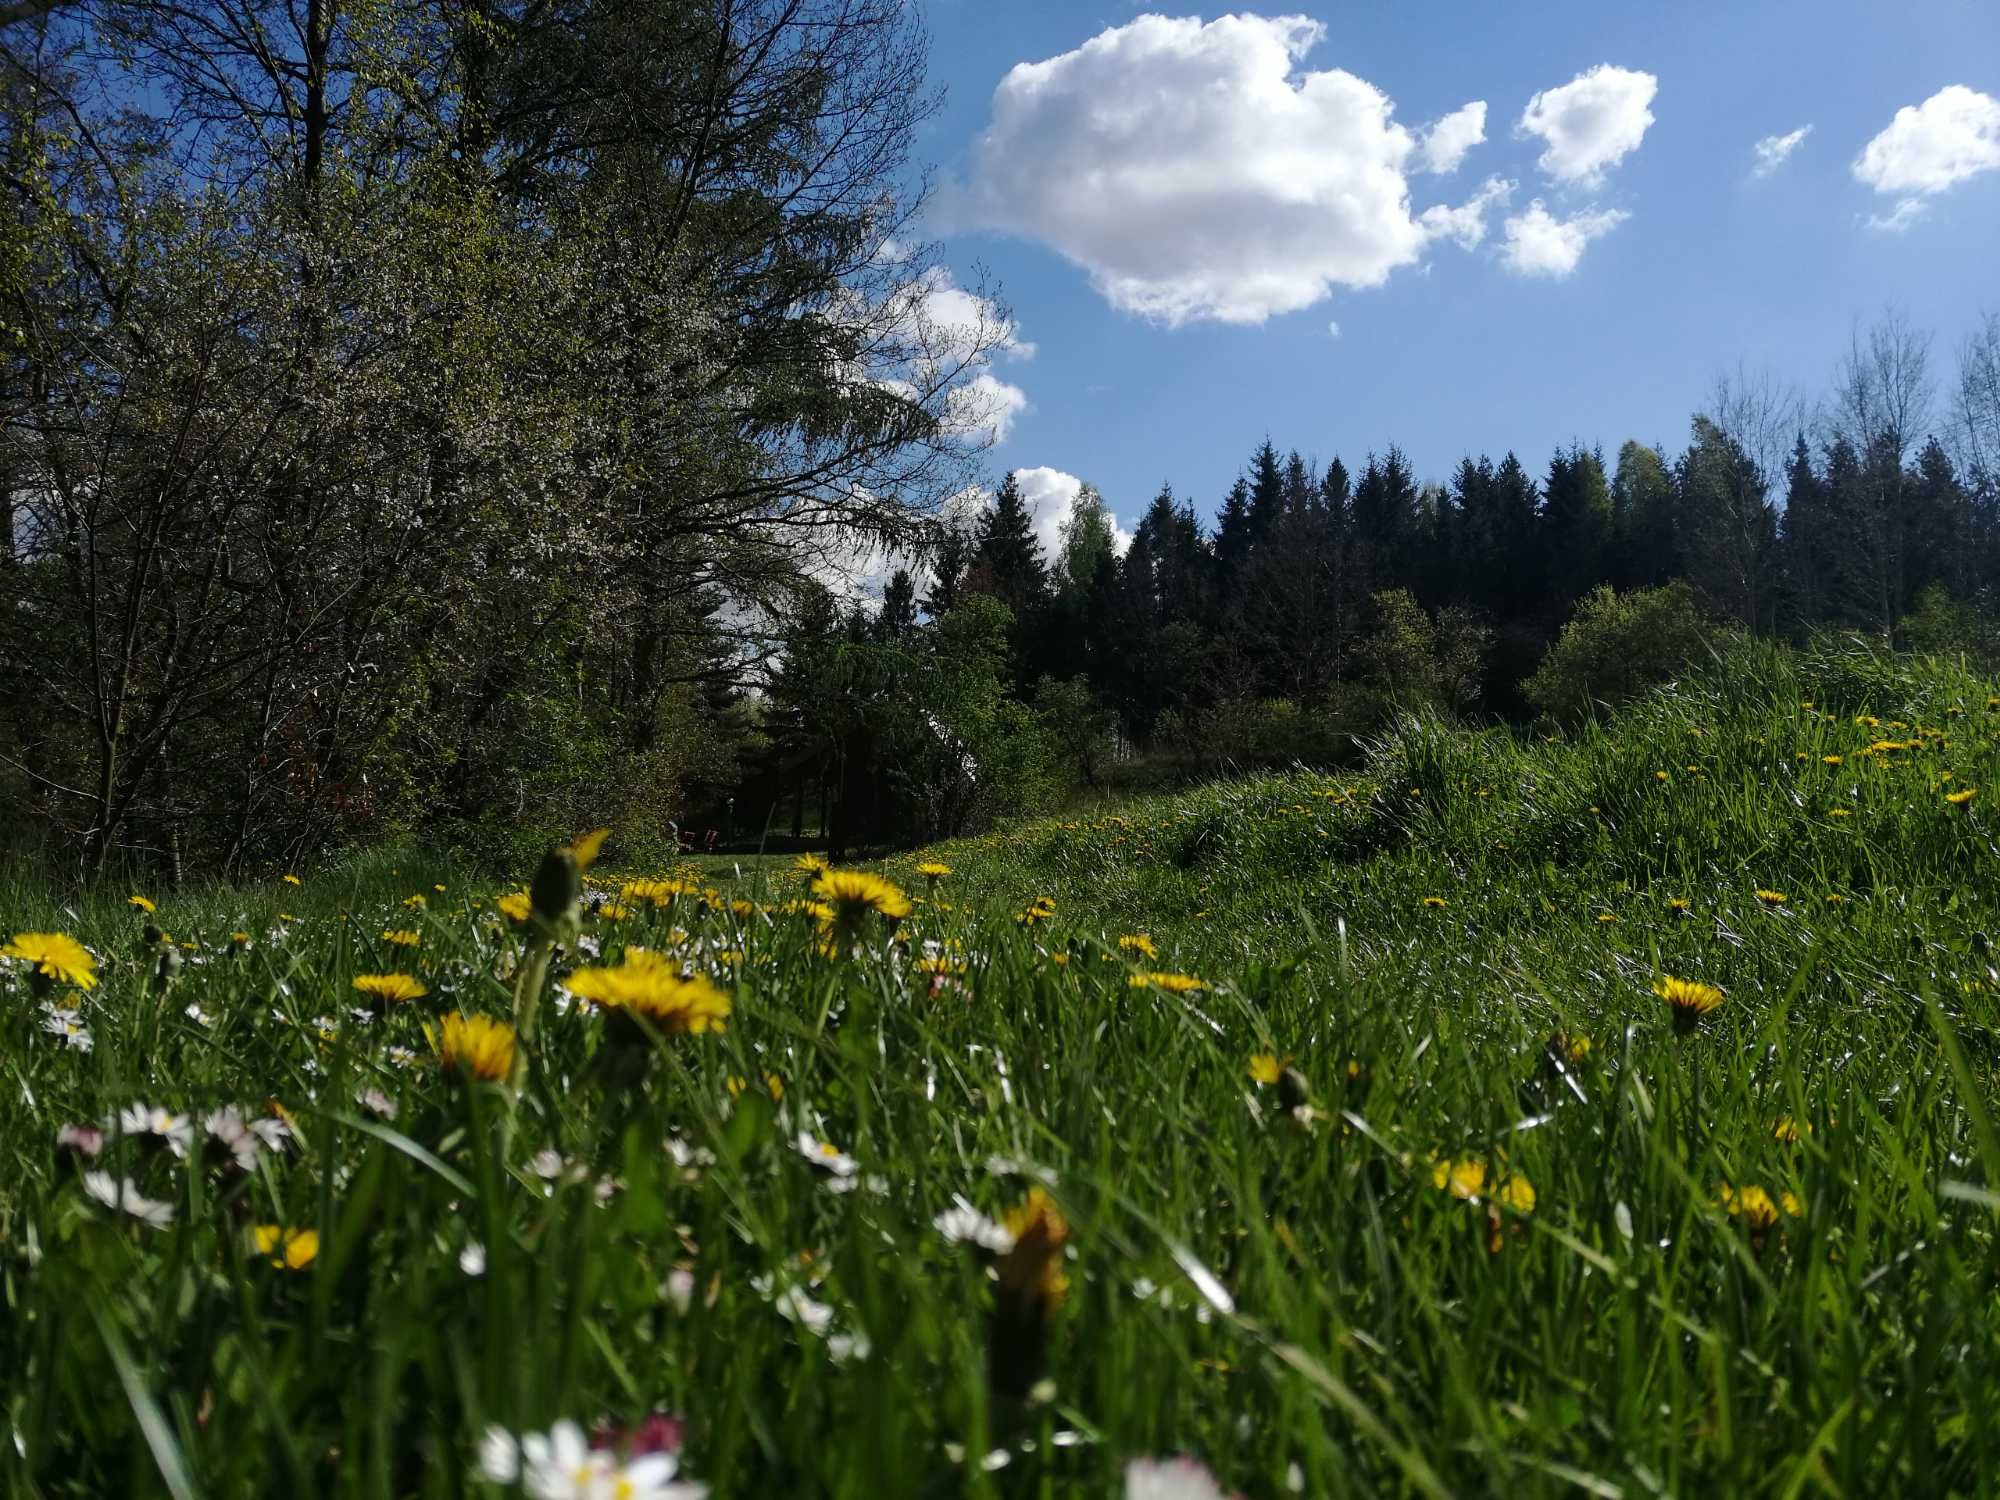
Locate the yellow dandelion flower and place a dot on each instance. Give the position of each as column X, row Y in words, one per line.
column 812, row 864
column 1840, row 812
column 1138, row 942
column 477, row 1046
column 1689, row 999
column 142, row 903
column 611, row 911
column 854, row 893
column 1466, row 1178
column 1829, row 760
column 1265, row 1068
column 292, row 880
column 416, row 902
column 1179, row 984
column 1661, row 776
column 1569, row 1046
column 1787, row 1131
column 1756, row 1208
column 56, row 956
column 289, row 1249
column 584, row 849
column 391, row 986
column 1032, row 1268
column 1772, row 898
column 1434, row 902
column 516, row 906
column 930, row 869
column 650, row 985
column 402, row 937
column 1678, row 904
column 1961, row 797
column 1606, row 916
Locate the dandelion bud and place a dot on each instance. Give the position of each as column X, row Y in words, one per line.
column 556, row 888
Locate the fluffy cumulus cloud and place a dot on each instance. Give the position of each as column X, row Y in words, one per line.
column 1538, row 243
column 1773, row 151
column 950, row 338
column 1591, row 123
column 1929, row 147
column 983, row 408
column 1443, row 143
column 1465, row 224
column 1196, row 172
column 1050, row 493
column 954, row 323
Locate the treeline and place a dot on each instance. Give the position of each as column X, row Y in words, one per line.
column 420, row 416
column 1323, row 596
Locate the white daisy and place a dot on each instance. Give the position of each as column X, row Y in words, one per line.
column 246, row 1140
column 85, row 1140
column 123, row 1194
column 144, row 1119
column 1170, row 1479
column 68, row 1025
column 561, row 1465
column 826, row 1156
column 963, row 1224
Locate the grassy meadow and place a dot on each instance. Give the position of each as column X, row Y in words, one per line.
column 1331, row 1131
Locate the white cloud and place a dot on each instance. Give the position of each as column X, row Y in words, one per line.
column 1333, row 329
column 1197, row 173
column 1906, row 212
column 1466, row 224
column 1540, row 244
column 983, row 408
column 1050, row 494
column 1591, row 123
column 1773, row 150
column 953, row 324
column 1445, row 141
column 1929, row 147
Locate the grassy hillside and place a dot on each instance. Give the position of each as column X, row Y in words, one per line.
column 1330, row 1131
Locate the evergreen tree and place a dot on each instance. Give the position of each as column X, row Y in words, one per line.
column 898, row 615
column 1645, row 550
column 1576, row 522
column 1006, row 555
column 1234, row 532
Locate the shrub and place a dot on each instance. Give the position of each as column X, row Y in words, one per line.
column 1617, row 646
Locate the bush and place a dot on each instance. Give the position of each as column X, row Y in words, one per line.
column 1617, row 646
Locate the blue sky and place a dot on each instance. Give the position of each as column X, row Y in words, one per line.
column 1693, row 262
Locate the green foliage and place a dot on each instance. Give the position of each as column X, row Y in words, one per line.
column 1941, row 625
column 1617, row 646
column 1268, row 1277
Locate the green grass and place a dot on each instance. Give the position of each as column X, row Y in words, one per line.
column 1288, row 1297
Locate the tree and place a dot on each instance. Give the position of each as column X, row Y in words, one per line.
column 1576, row 520
column 1645, row 545
column 398, row 377
column 1006, row 555
column 1880, row 405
